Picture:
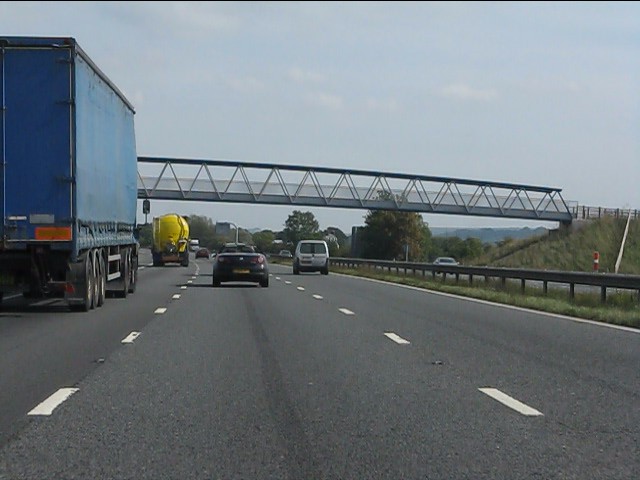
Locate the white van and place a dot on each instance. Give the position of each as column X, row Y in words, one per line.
column 311, row 256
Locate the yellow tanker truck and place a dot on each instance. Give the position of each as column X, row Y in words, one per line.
column 170, row 240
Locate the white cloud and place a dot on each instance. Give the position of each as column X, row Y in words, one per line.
column 464, row 92
column 390, row 105
column 303, row 76
column 326, row 100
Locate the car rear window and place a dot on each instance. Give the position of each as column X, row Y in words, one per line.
column 313, row 248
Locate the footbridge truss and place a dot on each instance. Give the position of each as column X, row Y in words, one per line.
column 262, row 183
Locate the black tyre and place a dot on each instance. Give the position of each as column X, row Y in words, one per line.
column 133, row 275
column 101, row 280
column 264, row 282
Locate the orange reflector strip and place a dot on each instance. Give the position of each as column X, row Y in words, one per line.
column 53, row 233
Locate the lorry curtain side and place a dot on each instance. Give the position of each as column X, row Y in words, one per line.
column 106, row 162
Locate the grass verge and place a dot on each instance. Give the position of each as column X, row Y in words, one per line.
column 622, row 308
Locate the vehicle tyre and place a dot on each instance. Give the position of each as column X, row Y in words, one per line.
column 296, row 270
column 264, row 282
column 133, row 277
column 125, row 274
column 216, row 283
column 89, row 279
column 325, row 270
column 185, row 259
column 101, row 280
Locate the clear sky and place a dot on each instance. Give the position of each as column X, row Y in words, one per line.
column 532, row 93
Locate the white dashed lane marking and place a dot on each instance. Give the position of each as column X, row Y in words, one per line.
column 48, row 406
column 346, row 311
column 278, row 278
column 131, row 337
column 318, row 297
column 510, row 402
column 396, row 338
column 176, row 296
column 301, row 289
column 160, row 311
column 183, row 287
column 287, row 282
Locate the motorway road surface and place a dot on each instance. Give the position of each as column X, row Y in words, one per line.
column 315, row 377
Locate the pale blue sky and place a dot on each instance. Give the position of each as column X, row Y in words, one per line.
column 533, row 93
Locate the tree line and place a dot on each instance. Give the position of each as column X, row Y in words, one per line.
column 386, row 235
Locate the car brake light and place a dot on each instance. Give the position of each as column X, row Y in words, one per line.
column 220, row 259
column 258, row 259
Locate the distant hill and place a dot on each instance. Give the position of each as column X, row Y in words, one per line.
column 489, row 235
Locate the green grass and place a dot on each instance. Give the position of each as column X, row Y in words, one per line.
column 621, row 308
column 572, row 250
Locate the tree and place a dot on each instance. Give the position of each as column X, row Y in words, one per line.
column 387, row 234
column 301, row 226
column 263, row 240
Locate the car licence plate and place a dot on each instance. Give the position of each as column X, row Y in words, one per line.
column 240, row 271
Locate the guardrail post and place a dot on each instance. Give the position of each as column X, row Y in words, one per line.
column 572, row 291
column 503, row 281
column 522, row 284
column 545, row 287
column 471, row 282
column 457, row 277
column 603, row 294
column 444, row 277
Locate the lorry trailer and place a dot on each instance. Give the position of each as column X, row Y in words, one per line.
column 68, row 177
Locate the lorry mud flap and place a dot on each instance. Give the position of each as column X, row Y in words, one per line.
column 79, row 285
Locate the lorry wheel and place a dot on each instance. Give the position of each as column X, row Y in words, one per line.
column 133, row 278
column 185, row 260
column 89, row 280
column 125, row 275
column 101, row 280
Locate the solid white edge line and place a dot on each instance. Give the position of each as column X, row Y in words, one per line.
column 131, row 337
column 494, row 304
column 510, row 402
column 160, row 310
column 49, row 405
column 318, row 297
column 176, row 296
column 397, row 338
column 346, row 311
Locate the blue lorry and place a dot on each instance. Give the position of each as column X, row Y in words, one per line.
column 68, row 178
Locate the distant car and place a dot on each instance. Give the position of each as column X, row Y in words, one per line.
column 311, row 256
column 203, row 253
column 237, row 262
column 285, row 253
column 445, row 261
